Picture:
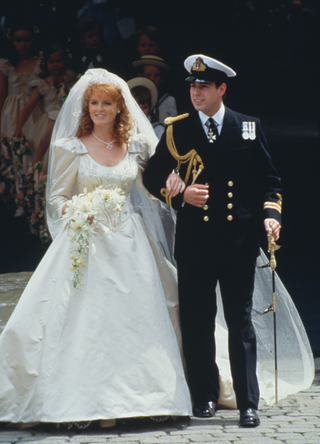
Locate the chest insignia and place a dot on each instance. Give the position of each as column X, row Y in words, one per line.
column 248, row 130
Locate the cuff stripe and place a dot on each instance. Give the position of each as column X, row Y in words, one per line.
column 272, row 206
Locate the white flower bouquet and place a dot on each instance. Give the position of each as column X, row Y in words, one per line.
column 79, row 212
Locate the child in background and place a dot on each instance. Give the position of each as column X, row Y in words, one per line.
column 146, row 95
column 49, row 88
column 154, row 68
column 92, row 54
column 16, row 72
column 148, row 41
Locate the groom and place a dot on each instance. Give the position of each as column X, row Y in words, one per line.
column 218, row 222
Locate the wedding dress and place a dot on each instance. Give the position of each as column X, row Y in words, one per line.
column 110, row 349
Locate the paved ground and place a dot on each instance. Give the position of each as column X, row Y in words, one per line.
column 296, row 420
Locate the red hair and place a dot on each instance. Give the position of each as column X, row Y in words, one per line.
column 123, row 122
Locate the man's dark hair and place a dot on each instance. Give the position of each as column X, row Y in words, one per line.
column 219, row 83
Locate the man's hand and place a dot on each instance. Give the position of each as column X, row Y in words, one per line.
column 196, row 195
column 175, row 185
column 275, row 228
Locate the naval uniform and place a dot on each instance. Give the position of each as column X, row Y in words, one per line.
column 219, row 242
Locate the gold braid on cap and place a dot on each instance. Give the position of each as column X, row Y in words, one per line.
column 192, row 157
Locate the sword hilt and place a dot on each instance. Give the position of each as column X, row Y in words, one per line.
column 272, row 247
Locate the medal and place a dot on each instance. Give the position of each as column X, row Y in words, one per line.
column 248, row 130
column 245, row 133
column 252, row 130
column 212, row 137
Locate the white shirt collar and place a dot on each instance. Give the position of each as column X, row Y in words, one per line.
column 217, row 117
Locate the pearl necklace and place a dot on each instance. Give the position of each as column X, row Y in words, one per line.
column 109, row 144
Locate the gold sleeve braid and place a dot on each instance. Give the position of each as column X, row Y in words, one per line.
column 191, row 157
column 274, row 205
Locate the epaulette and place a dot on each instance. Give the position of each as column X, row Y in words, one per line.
column 170, row 120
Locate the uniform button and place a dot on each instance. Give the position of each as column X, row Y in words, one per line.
column 230, row 195
column 230, row 206
column 205, row 207
column 206, row 218
column 230, row 217
column 230, row 183
column 207, row 183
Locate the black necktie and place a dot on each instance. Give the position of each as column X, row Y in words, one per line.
column 213, row 130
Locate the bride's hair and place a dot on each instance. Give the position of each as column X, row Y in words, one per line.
column 123, row 123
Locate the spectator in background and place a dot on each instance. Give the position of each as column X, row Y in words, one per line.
column 155, row 68
column 16, row 72
column 92, row 54
column 146, row 95
column 148, row 41
column 50, row 88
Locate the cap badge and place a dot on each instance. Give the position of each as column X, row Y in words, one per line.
column 248, row 130
column 199, row 65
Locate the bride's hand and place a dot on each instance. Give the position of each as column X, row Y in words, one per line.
column 175, row 185
column 64, row 208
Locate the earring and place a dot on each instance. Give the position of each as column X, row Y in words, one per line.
column 118, row 112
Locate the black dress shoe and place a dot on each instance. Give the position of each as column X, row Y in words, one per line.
column 206, row 410
column 249, row 418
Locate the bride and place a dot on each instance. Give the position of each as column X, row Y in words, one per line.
column 110, row 350
column 113, row 349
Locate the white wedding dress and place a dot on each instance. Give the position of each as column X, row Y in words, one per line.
column 109, row 350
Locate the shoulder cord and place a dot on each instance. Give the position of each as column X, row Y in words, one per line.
column 192, row 157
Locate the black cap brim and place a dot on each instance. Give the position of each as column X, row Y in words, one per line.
column 192, row 79
column 208, row 76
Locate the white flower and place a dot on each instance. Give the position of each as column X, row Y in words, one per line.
column 78, row 212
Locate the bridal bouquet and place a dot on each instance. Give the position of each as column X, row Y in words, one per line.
column 78, row 214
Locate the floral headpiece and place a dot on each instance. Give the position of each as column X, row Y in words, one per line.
column 35, row 31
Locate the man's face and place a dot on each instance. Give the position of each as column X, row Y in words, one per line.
column 206, row 97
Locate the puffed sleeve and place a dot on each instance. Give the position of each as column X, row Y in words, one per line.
column 140, row 150
column 5, row 66
column 52, row 103
column 66, row 158
column 41, row 84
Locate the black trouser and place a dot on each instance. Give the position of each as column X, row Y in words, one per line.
column 197, row 281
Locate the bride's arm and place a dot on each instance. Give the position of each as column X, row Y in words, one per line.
column 63, row 171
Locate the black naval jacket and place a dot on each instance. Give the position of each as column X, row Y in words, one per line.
column 244, row 188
